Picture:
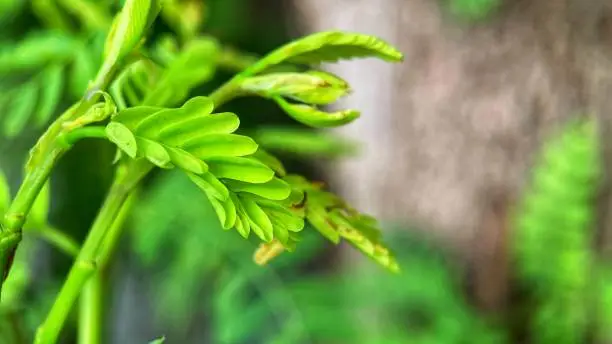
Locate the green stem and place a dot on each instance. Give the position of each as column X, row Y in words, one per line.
column 85, row 264
column 43, row 157
column 114, row 232
column 60, row 240
column 71, row 137
column 91, row 311
column 235, row 61
column 226, row 92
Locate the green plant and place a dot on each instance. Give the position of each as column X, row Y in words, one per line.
column 566, row 283
column 139, row 99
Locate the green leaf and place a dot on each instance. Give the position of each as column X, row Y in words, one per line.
column 226, row 210
column 258, row 219
column 313, row 87
column 83, row 71
column 36, row 51
column 129, row 27
column 122, row 137
column 194, row 65
column 271, row 161
column 335, row 219
column 241, row 169
column 282, row 215
column 276, row 189
column 328, row 47
column 53, row 83
column 181, row 136
column 306, row 142
column 210, row 185
column 317, row 216
column 22, row 106
column 313, row 117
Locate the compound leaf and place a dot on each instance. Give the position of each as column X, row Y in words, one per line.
column 128, row 27
column 328, row 46
column 168, row 136
column 53, row 83
column 314, row 117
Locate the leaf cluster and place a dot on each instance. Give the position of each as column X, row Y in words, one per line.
column 555, row 233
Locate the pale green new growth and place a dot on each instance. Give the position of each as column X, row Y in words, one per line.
column 328, row 46
column 128, row 28
column 203, row 144
column 316, row 118
column 313, row 87
column 185, row 137
column 335, row 219
column 148, row 115
column 303, row 141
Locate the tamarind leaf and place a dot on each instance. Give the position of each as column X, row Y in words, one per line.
column 556, row 219
column 220, row 163
column 131, row 85
column 303, row 141
column 317, row 217
column 275, row 189
column 335, row 220
column 282, row 215
column 241, row 169
column 53, row 82
column 183, row 144
column 313, row 87
column 123, row 138
column 194, row 65
column 128, row 28
column 258, row 219
column 313, row 117
column 243, row 224
column 83, row 70
column 22, row 106
column 226, row 210
column 36, row 51
column 328, row 46
column 271, row 161
column 210, row 185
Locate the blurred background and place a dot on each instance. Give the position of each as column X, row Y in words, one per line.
column 443, row 154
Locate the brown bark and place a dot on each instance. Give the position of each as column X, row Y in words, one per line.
column 463, row 115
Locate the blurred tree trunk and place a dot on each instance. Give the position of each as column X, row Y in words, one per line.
column 451, row 132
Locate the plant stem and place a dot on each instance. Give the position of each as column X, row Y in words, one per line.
column 91, row 310
column 43, row 157
column 85, row 265
column 226, row 92
column 59, row 239
column 235, row 61
column 71, row 137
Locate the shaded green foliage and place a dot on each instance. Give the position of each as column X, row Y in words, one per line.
column 555, row 234
column 247, row 303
